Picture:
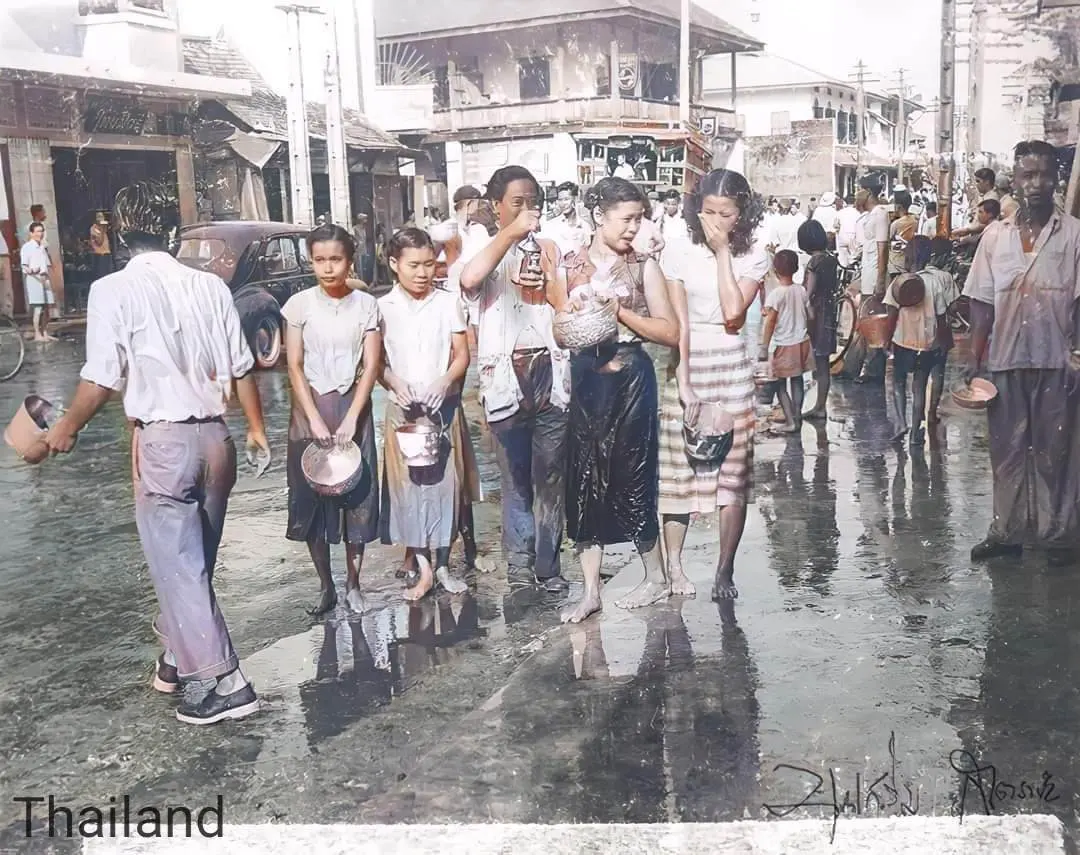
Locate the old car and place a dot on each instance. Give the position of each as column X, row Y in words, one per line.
column 262, row 263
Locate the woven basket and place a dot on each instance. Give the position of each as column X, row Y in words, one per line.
column 588, row 327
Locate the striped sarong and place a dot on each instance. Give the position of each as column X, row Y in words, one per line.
column 721, row 372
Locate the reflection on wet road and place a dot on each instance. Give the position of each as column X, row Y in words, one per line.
column 861, row 616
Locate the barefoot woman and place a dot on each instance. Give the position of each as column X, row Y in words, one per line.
column 612, row 446
column 334, row 350
column 720, row 273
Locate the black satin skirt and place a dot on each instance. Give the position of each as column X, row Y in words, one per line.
column 613, row 446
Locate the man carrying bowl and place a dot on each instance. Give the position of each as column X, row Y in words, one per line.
column 169, row 337
column 1024, row 287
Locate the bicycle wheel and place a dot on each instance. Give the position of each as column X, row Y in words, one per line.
column 12, row 348
column 845, row 328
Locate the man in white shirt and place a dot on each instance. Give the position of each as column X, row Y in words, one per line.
column 848, row 242
column 875, row 260
column 828, row 214
column 37, row 280
column 169, row 337
column 567, row 229
column 524, row 381
column 929, row 223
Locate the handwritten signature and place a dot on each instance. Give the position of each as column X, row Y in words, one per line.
column 884, row 794
column 887, row 795
column 994, row 791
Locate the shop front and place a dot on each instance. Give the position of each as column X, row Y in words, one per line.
column 88, row 151
column 657, row 161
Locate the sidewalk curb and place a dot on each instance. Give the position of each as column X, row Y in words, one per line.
column 1030, row 834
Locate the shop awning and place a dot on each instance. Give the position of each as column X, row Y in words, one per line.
column 79, row 72
column 255, row 150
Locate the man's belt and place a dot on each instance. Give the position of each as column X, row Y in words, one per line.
column 191, row 420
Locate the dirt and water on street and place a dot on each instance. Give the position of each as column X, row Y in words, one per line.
column 864, row 651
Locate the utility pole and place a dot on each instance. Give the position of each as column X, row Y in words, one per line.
column 301, row 202
column 901, row 130
column 976, row 65
column 946, row 134
column 336, row 152
column 684, row 64
column 860, row 114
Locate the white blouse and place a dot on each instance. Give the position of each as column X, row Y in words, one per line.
column 418, row 334
column 334, row 332
column 695, row 267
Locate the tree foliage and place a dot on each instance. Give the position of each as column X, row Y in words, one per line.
column 1059, row 27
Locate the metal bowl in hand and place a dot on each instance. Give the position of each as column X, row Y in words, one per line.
column 711, row 435
column 333, row 471
column 589, row 326
column 977, row 395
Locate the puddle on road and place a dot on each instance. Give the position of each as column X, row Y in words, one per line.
column 860, row 616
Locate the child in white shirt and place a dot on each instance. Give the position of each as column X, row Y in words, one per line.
column 785, row 340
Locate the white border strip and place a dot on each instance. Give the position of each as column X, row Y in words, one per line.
column 1029, row 834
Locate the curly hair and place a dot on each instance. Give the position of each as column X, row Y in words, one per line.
column 731, row 185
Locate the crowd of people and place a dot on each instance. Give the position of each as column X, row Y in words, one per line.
column 587, row 442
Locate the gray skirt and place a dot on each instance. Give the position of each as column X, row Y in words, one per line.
column 354, row 516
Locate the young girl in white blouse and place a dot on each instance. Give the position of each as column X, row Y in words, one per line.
column 334, row 346
column 426, row 355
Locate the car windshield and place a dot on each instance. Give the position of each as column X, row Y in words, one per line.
column 210, row 254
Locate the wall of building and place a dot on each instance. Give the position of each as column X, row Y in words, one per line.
column 549, row 158
column 797, row 164
column 574, row 51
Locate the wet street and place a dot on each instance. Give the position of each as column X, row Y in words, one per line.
column 865, row 649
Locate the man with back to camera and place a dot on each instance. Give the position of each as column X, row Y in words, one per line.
column 170, row 338
column 1024, row 287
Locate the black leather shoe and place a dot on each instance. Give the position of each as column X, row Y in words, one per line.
column 994, row 549
column 554, row 584
column 166, row 679
column 214, row 707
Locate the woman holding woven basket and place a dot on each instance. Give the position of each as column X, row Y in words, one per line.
column 719, row 276
column 611, row 480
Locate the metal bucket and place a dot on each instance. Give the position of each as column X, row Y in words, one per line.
column 26, row 431
column 420, row 444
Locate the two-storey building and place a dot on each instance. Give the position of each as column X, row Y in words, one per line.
column 93, row 99
column 801, row 127
column 569, row 88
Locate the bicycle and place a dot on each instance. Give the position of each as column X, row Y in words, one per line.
column 12, row 348
column 846, row 313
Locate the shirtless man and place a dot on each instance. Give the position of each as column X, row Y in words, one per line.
column 169, row 336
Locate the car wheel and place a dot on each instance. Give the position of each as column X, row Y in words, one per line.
column 266, row 342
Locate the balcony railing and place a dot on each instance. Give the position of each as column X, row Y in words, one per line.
column 572, row 111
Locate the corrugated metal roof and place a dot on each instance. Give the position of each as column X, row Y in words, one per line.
column 397, row 20
column 265, row 111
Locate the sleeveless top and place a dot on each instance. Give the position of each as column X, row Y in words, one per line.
column 629, row 284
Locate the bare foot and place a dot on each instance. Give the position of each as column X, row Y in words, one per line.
column 816, row 416
column 786, row 428
column 327, row 603
column 583, row 608
column 51, row 337
column 724, row 587
column 483, row 564
column 451, row 584
column 646, row 594
column 355, row 600
column 40, row 338
column 406, row 569
column 681, row 586
column 424, row 584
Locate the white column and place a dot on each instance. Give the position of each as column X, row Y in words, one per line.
column 337, row 156
column 302, row 202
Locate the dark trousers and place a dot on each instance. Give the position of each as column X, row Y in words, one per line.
column 530, row 448
column 1035, row 452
